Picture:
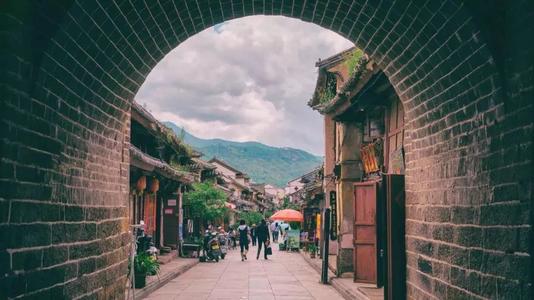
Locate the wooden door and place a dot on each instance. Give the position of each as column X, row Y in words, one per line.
column 395, row 244
column 365, row 262
column 171, row 213
column 150, row 214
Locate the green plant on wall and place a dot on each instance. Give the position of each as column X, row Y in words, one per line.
column 353, row 61
column 329, row 91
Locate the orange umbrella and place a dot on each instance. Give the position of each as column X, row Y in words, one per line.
column 288, row 215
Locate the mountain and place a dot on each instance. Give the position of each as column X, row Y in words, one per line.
column 264, row 164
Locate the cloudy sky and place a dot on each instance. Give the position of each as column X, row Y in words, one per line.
column 245, row 80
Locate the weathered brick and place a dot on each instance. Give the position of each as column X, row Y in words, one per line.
column 13, row 286
column 24, row 235
column 47, row 277
column 77, row 251
column 73, row 232
column 86, row 266
column 28, row 212
column 503, row 239
column 55, row 255
column 109, row 228
column 74, row 213
column 4, row 210
column 468, row 236
column 27, row 260
column 424, row 265
column 463, row 215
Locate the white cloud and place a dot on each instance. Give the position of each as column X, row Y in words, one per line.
column 246, row 79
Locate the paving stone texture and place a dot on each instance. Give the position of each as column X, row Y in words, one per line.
column 283, row 276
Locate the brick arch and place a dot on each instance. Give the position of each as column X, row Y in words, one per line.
column 71, row 69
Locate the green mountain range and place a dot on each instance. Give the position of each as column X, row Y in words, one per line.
column 264, row 164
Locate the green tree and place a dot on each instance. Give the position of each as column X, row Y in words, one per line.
column 268, row 213
column 251, row 217
column 206, row 202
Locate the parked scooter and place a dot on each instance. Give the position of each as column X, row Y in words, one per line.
column 212, row 248
column 223, row 241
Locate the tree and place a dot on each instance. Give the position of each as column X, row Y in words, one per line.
column 251, row 217
column 268, row 213
column 206, row 202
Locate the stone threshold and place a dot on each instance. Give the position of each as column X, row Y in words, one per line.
column 168, row 272
column 345, row 286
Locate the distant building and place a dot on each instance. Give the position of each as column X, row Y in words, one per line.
column 242, row 194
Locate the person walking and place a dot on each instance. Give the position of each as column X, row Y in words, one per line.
column 253, row 234
column 263, row 238
column 244, row 232
column 275, row 228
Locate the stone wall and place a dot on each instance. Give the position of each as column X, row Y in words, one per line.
column 469, row 166
column 63, row 170
column 69, row 69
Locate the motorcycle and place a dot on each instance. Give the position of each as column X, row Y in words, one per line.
column 223, row 241
column 212, row 248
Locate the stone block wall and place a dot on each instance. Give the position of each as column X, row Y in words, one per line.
column 63, row 167
column 469, row 172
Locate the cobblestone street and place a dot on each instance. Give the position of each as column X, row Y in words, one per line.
column 283, row 276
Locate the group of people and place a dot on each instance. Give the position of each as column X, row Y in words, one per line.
column 257, row 234
column 279, row 230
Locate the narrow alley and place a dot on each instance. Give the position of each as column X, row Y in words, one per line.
column 285, row 275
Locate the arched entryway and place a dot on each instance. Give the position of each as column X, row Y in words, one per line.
column 71, row 68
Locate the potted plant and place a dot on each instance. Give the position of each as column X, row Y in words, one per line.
column 144, row 265
column 312, row 249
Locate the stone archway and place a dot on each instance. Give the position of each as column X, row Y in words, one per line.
column 71, row 68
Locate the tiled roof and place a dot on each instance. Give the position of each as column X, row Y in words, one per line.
column 159, row 166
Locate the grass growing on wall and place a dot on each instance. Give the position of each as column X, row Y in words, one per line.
column 353, row 61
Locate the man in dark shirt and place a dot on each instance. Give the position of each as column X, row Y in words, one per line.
column 263, row 236
column 253, row 234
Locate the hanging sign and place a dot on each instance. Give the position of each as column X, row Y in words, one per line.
column 318, row 226
column 369, row 161
column 333, row 216
column 171, row 202
column 168, row 211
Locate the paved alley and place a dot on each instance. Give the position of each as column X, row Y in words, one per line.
column 283, row 276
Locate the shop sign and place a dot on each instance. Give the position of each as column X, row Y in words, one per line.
column 333, row 216
column 171, row 202
column 369, row 161
column 318, row 226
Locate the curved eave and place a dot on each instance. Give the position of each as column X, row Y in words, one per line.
column 143, row 161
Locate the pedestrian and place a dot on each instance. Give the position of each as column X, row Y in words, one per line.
column 263, row 237
column 244, row 232
column 253, row 234
column 276, row 230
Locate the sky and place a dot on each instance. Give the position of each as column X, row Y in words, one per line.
column 248, row 79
